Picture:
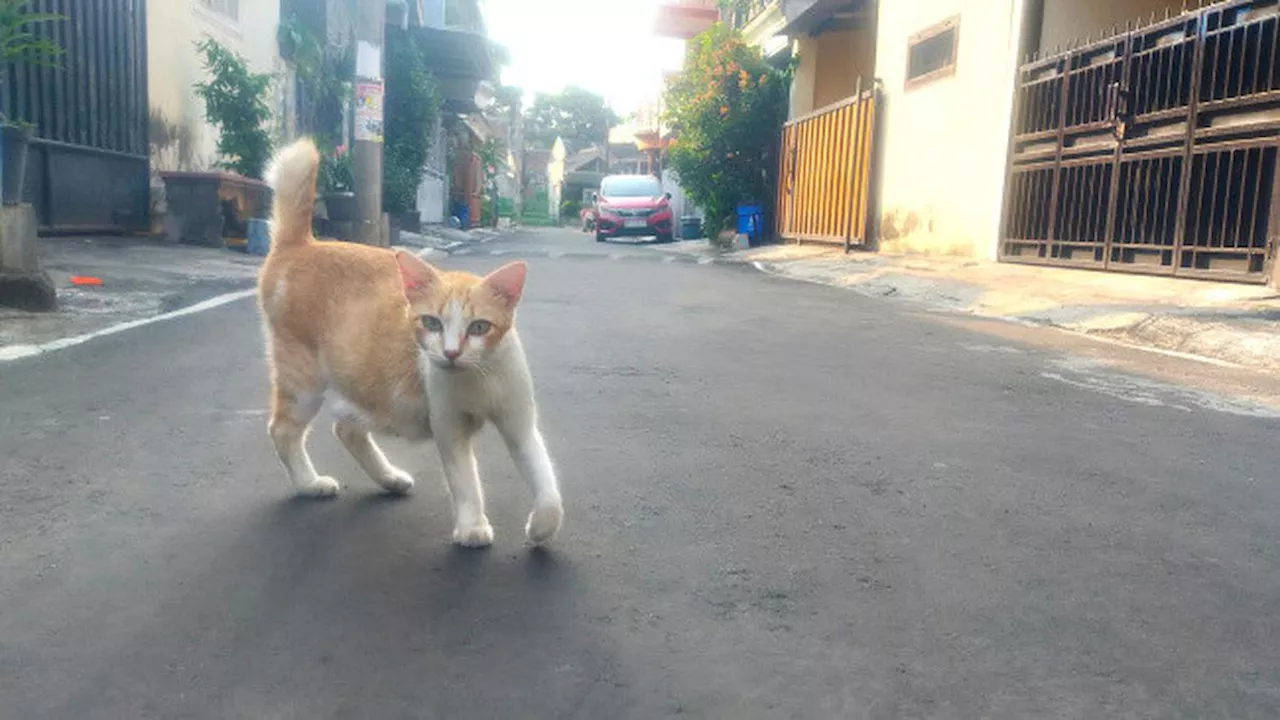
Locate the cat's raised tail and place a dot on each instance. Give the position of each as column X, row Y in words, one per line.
column 292, row 175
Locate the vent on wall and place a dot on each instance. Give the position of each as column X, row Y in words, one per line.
column 931, row 53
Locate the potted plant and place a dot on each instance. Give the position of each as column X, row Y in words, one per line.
column 336, row 186
column 19, row 42
column 209, row 207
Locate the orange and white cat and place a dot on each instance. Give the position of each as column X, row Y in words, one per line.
column 402, row 348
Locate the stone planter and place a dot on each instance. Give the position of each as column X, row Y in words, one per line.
column 208, row 208
column 341, row 207
column 14, row 142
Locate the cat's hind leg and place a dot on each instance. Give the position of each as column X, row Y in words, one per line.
column 355, row 436
column 297, row 394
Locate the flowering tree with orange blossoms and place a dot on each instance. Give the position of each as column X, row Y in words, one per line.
column 727, row 108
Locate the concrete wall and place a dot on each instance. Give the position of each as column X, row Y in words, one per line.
column 173, row 29
column 945, row 143
column 1070, row 21
column 829, row 68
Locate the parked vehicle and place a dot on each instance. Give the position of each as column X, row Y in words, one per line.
column 633, row 206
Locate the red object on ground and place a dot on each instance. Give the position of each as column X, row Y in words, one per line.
column 85, row 280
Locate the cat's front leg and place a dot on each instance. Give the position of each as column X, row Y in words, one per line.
column 471, row 527
column 529, row 452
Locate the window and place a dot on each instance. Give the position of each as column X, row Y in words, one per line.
column 931, row 53
column 229, row 8
column 631, row 186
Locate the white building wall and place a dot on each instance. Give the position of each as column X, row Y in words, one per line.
column 174, row 66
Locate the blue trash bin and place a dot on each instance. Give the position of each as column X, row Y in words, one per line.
column 690, row 227
column 751, row 221
column 259, row 240
column 462, row 211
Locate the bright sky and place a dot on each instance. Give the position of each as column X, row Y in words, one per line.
column 605, row 46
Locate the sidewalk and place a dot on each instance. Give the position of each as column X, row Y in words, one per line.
column 1229, row 322
column 445, row 239
column 141, row 278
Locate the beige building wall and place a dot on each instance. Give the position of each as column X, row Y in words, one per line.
column 829, row 68
column 945, row 143
column 1068, row 22
column 173, row 29
column 555, row 177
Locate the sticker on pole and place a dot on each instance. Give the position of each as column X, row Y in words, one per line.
column 368, row 61
column 369, row 111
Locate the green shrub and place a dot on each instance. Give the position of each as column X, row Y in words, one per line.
column 569, row 209
column 506, row 207
column 235, row 101
column 727, row 108
column 410, row 109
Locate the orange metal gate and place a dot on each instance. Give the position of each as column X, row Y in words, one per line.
column 825, row 174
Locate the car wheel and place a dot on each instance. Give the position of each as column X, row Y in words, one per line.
column 599, row 237
column 666, row 238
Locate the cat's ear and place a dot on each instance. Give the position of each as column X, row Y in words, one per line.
column 415, row 273
column 507, row 282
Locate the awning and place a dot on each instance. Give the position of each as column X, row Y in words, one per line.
column 460, row 61
column 584, row 178
column 683, row 19
column 813, row 17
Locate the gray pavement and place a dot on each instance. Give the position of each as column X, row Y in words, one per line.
column 783, row 501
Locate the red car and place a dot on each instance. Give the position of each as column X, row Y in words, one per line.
column 633, row 206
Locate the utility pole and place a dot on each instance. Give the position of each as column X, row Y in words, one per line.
column 366, row 150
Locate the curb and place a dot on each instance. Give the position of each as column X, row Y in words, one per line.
column 1107, row 335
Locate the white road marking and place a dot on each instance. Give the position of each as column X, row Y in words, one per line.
column 17, row 352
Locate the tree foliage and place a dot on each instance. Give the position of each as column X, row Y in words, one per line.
column 18, row 40
column 573, row 114
column 410, row 109
column 727, row 108
column 235, row 100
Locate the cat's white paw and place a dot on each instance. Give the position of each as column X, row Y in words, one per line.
column 396, row 481
column 544, row 522
column 323, row 487
column 474, row 535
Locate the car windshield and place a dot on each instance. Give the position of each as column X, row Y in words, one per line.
column 631, row 186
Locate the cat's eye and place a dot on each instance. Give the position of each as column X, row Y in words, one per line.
column 479, row 327
column 432, row 323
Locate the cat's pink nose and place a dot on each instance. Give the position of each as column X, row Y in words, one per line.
column 452, row 355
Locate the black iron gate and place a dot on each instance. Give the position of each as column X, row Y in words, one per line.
column 87, row 169
column 1153, row 151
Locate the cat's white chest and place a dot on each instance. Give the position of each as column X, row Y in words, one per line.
column 465, row 392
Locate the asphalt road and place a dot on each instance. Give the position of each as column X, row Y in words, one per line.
column 783, row 501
